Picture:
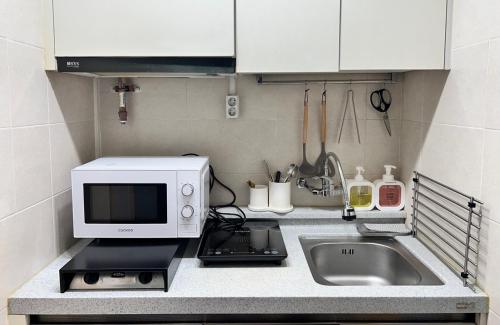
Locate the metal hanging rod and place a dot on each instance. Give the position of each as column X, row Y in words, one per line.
column 285, row 81
column 452, row 234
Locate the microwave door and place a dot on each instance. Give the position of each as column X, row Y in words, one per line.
column 125, row 203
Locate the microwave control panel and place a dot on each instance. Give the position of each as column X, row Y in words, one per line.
column 188, row 204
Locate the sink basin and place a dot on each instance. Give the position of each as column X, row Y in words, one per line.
column 364, row 261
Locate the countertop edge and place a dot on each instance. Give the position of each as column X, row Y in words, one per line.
column 247, row 305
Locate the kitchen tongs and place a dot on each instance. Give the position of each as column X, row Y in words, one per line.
column 350, row 97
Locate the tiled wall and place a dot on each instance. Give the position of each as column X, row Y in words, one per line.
column 46, row 127
column 451, row 125
column 176, row 116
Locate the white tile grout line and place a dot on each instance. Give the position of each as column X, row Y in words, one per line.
column 481, row 163
column 44, row 124
column 473, row 44
column 497, row 314
column 10, row 128
column 54, row 228
column 21, row 43
column 24, row 209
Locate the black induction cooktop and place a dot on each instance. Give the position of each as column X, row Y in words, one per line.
column 254, row 241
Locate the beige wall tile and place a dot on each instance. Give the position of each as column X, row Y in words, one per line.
column 491, row 174
column 432, row 88
column 3, row 19
column 493, row 318
column 26, row 246
column 411, row 144
column 5, row 119
column 492, row 282
column 31, row 165
column 71, row 98
column 165, row 100
column 350, row 152
column 63, row 220
column 493, row 87
column 452, row 155
column 380, row 148
column 253, row 103
column 470, row 22
column 206, row 98
column 413, row 96
column 24, row 21
column 7, row 195
column 493, row 21
column 71, row 145
column 463, row 97
column 3, row 316
column 28, row 85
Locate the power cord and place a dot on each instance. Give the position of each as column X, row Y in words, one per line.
column 232, row 219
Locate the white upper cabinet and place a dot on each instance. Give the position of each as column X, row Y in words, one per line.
column 287, row 36
column 144, row 28
column 393, row 34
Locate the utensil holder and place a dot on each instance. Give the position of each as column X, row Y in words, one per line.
column 280, row 197
column 259, row 198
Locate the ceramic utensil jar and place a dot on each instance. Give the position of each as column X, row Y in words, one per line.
column 259, row 198
column 280, row 197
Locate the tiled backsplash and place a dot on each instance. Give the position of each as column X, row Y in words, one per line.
column 46, row 128
column 452, row 126
column 177, row 116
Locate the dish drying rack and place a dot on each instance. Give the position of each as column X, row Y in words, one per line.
column 448, row 222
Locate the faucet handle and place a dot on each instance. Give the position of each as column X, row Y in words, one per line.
column 326, row 178
column 301, row 182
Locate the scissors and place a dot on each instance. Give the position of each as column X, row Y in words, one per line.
column 381, row 101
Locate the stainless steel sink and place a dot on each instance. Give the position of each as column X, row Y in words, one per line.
column 364, row 261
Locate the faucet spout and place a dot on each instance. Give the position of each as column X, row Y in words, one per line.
column 348, row 212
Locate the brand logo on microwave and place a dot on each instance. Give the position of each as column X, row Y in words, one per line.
column 125, row 229
column 73, row 64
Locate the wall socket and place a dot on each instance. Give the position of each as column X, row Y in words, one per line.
column 232, row 106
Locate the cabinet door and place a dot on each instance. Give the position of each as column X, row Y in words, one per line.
column 144, row 28
column 287, row 36
column 393, row 34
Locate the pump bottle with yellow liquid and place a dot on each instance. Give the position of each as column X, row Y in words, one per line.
column 361, row 191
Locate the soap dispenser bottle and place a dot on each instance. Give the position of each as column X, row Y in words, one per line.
column 361, row 191
column 390, row 192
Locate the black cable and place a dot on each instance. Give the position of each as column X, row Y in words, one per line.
column 231, row 219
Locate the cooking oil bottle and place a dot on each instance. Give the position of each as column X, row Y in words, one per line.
column 361, row 191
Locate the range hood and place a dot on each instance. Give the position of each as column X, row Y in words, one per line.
column 168, row 66
column 138, row 37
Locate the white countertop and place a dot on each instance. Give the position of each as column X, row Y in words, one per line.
column 286, row 289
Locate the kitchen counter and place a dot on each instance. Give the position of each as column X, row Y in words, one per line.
column 286, row 289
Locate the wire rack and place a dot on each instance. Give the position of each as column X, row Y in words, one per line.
column 448, row 222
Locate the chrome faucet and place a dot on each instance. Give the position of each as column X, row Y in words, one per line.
column 328, row 188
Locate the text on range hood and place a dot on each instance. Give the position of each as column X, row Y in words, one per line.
column 164, row 65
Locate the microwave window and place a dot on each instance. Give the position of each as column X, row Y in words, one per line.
column 125, row 203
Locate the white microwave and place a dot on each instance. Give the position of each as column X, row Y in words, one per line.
column 140, row 197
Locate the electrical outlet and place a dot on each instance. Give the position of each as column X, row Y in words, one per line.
column 232, row 106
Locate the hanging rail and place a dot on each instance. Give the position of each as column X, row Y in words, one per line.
column 326, row 81
column 456, row 215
